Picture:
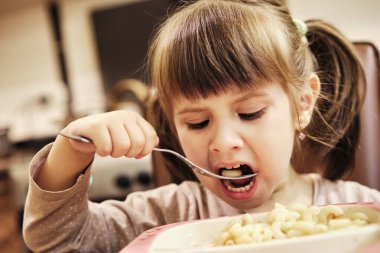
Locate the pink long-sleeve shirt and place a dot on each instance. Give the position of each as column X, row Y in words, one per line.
column 66, row 221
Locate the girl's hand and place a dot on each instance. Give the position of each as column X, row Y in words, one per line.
column 117, row 133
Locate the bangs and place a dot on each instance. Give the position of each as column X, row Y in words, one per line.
column 226, row 45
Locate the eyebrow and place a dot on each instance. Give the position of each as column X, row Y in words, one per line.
column 250, row 94
column 237, row 99
column 187, row 110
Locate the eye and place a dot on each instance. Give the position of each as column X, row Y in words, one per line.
column 251, row 116
column 199, row 125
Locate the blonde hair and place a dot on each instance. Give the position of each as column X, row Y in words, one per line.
column 210, row 46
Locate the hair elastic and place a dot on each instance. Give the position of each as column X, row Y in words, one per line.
column 301, row 28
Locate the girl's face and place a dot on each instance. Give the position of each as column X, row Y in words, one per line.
column 241, row 130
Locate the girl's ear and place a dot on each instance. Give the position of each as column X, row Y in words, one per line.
column 307, row 100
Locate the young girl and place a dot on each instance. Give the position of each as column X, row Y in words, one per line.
column 242, row 87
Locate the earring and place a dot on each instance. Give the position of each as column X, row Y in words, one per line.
column 301, row 136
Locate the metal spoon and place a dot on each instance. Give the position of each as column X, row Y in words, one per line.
column 196, row 168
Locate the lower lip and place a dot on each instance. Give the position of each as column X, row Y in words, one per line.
column 241, row 195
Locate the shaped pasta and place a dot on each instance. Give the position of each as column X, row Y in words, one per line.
column 282, row 223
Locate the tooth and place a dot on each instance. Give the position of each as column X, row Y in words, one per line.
column 232, row 173
column 227, row 182
column 237, row 166
column 231, row 188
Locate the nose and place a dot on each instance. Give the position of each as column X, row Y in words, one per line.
column 225, row 138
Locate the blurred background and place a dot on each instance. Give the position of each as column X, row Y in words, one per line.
column 64, row 59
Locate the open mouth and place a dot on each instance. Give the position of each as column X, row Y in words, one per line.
column 238, row 185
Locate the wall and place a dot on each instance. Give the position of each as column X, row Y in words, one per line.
column 80, row 53
column 29, row 68
column 32, row 95
column 358, row 20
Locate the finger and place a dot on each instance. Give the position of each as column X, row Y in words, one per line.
column 137, row 139
column 102, row 140
column 93, row 128
column 151, row 138
column 75, row 144
column 121, row 142
column 83, row 147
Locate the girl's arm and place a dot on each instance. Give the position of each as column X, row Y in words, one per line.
column 118, row 133
column 62, row 167
column 58, row 216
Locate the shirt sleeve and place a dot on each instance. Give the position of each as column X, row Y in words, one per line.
column 52, row 218
column 339, row 191
column 65, row 221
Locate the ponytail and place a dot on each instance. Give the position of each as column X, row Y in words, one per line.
column 334, row 129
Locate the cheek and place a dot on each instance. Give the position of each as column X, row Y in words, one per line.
column 195, row 150
column 183, row 140
column 277, row 132
column 189, row 143
column 274, row 142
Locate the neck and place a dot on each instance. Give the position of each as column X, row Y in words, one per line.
column 295, row 190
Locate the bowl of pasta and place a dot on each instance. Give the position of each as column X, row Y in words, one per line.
column 333, row 228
